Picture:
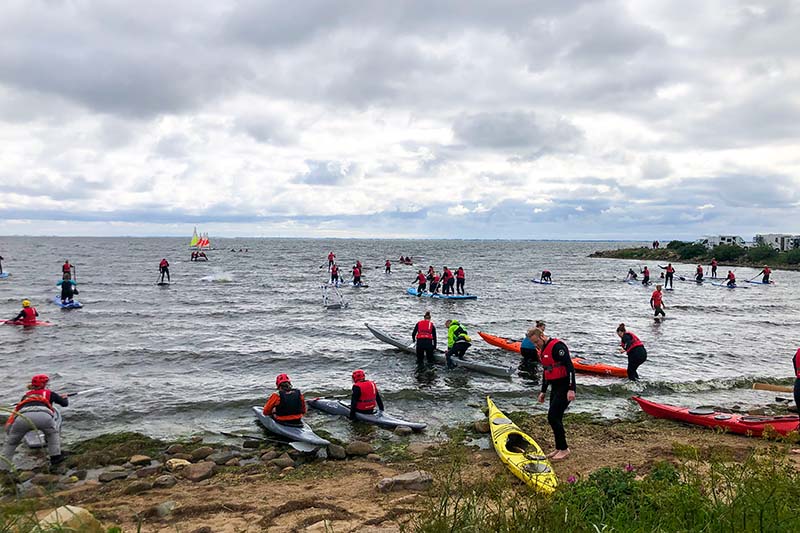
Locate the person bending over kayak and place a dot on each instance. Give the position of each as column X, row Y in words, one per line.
column 388, row 267
column 425, row 335
column 646, row 276
column 731, row 279
column 766, row 272
column 68, row 288
column 460, row 280
column 546, row 277
column 559, row 373
column 365, row 396
column 28, row 314
column 457, row 341
column 657, row 302
column 632, row 275
column 163, row 268
column 698, row 274
column 669, row 278
column 34, row 411
column 287, row 406
column 635, row 349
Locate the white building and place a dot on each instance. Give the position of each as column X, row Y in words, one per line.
column 710, row 241
column 780, row 241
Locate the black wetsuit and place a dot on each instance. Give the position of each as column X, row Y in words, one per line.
column 558, row 395
column 425, row 347
column 636, row 357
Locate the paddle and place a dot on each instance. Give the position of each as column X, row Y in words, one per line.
column 299, row 446
column 754, row 277
column 771, row 387
column 82, row 392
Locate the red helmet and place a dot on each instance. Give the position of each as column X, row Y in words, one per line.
column 40, row 381
column 282, row 378
column 358, row 375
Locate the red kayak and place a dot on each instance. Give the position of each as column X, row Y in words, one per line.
column 20, row 323
column 750, row 425
column 581, row 365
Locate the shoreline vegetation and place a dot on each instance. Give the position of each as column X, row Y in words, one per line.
column 728, row 255
column 624, row 475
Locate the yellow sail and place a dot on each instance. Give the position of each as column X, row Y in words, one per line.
column 195, row 238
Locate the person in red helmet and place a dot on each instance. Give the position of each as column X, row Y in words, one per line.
column 365, row 396
column 287, row 406
column 35, row 411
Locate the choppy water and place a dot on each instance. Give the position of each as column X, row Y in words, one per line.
column 193, row 357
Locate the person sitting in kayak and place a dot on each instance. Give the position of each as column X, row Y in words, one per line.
column 356, row 276
column 657, row 302
column 335, row 274
column 365, row 396
column 287, row 406
column 388, row 267
column 424, row 335
column 28, row 314
column 546, row 277
column 766, row 272
column 194, row 256
column 528, row 350
column 698, row 274
column 331, row 259
column 635, row 349
column 68, row 288
column 34, row 412
column 632, row 275
column 646, row 276
column 457, row 341
column 460, row 280
column 163, row 268
column 731, row 279
column 421, row 282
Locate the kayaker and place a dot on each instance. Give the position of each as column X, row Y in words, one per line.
column 34, row 412
column 635, row 349
column 356, row 275
column 731, row 279
column 331, row 259
column 194, row 256
column 546, row 277
column 558, row 372
column 766, row 272
column 66, row 267
column 335, row 274
column 388, row 267
column 460, row 277
column 657, row 302
column 163, row 268
column 287, row 406
column 365, row 396
column 421, row 281
column 646, row 276
column 714, row 267
column 457, row 341
column 632, row 275
column 698, row 274
column 425, row 335
column 528, row 350
column 669, row 278
column 28, row 314
column 68, row 288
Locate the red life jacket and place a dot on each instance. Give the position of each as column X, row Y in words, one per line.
column 356, row 272
column 436, row 279
column 422, row 279
column 331, row 256
column 290, row 406
column 163, row 263
column 635, row 344
column 38, row 396
column 29, row 315
column 670, row 269
column 714, row 263
column 424, row 329
column 366, row 401
column 647, row 272
column 796, row 361
column 731, row 276
column 552, row 368
column 460, row 273
column 767, row 271
column 657, row 296
column 334, row 269
column 699, row 270
column 66, row 267
column 388, row 263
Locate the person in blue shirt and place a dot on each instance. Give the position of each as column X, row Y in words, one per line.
column 528, row 349
column 68, row 288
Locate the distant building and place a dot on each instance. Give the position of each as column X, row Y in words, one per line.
column 780, row 241
column 710, row 241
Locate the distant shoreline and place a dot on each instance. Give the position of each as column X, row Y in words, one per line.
column 666, row 255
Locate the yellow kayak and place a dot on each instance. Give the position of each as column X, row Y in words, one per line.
column 520, row 453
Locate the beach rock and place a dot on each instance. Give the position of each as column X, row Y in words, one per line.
column 287, row 470
column 200, row 471
column 45, row 479
column 116, row 468
column 80, row 474
column 164, row 482
column 105, row 477
column 203, row 529
column 251, row 443
column 233, row 462
column 184, row 456
column 34, row 491
column 374, row 457
column 419, row 448
column 148, row 471
column 138, row 486
column 163, row 509
column 337, row 452
column 176, row 448
column 25, row 475
column 283, row 461
column 417, row 480
column 70, row 518
column 223, row 457
column 359, row 448
column 139, row 460
column 403, row 431
column 481, row 426
column 176, row 465
column 197, row 439
column 322, row 453
column 269, row 456
column 201, row 453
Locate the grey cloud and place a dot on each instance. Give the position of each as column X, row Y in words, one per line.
column 63, row 187
column 517, row 130
column 173, row 146
column 326, row 173
column 267, row 128
column 655, row 168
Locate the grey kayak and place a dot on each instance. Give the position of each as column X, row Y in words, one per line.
column 302, row 433
column 483, row 368
column 35, row 439
column 337, row 407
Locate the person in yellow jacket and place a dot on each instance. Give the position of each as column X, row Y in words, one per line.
column 457, row 341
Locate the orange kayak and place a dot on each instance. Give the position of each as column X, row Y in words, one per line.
column 581, row 365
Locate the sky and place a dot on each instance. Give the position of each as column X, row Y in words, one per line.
column 527, row 119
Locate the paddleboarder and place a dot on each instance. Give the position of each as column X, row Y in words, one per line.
column 287, row 406
column 714, row 267
column 698, row 274
column 163, row 268
column 457, row 341
column 421, row 282
column 646, row 276
column 331, row 259
column 425, row 336
column 460, row 277
column 559, row 373
column 28, row 314
column 365, row 396
column 335, row 274
column 68, row 288
column 635, row 348
column 356, row 275
column 34, row 412
column 546, row 277
column 657, row 302
column 632, row 275
column 388, row 267
column 765, row 272
column 1, row 264
column 669, row 278
column 731, row 279
column 66, row 267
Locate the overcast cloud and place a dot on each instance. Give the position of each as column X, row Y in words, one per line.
column 526, row 119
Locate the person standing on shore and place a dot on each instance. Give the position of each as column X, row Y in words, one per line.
column 635, row 349
column 657, row 302
column 425, row 336
column 559, row 373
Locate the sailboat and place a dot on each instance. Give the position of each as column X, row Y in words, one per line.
column 195, row 239
column 200, row 242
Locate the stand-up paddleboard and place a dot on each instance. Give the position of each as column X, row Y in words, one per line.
column 35, row 439
column 20, row 323
column 540, row 282
column 338, row 407
column 759, row 282
column 413, row 292
column 74, row 304
column 164, row 283
column 359, row 285
column 520, row 453
column 302, row 433
column 4, row 275
column 725, row 284
column 439, row 358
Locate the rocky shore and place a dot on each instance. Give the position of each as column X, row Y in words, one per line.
column 664, row 256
